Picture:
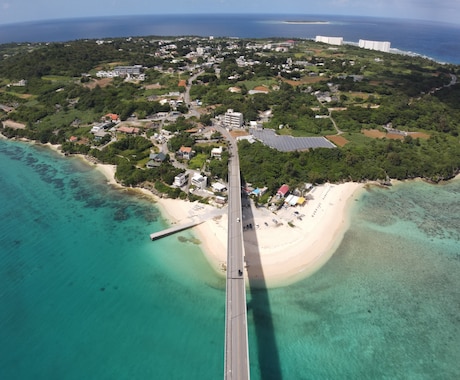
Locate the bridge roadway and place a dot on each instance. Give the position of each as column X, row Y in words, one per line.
column 236, row 329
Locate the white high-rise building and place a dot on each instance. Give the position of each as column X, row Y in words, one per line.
column 375, row 45
column 233, row 119
column 330, row 40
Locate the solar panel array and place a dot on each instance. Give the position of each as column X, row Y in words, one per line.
column 289, row 143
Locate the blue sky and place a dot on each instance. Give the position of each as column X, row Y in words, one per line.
column 12, row 11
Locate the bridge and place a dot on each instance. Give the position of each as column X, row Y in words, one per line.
column 236, row 329
column 236, row 352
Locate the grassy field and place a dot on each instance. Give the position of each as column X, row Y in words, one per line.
column 65, row 118
column 57, row 78
column 198, row 161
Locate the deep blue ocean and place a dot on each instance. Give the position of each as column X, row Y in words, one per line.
column 85, row 294
column 435, row 40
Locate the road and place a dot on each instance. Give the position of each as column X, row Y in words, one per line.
column 191, row 108
column 236, row 331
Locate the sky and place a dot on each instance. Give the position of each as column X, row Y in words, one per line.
column 13, row 11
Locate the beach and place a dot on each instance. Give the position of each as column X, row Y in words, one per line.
column 281, row 247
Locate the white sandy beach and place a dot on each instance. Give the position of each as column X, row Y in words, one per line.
column 281, row 247
column 278, row 253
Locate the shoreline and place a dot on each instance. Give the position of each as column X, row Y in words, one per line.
column 297, row 246
column 281, row 248
column 276, row 254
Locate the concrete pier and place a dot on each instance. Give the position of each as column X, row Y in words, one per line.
column 172, row 230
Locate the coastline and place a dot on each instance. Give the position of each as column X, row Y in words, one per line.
column 281, row 248
column 299, row 245
column 282, row 253
column 276, row 254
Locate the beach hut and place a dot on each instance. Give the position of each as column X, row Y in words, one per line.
column 282, row 191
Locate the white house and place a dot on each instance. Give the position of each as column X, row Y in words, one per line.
column 201, row 182
column 181, row 179
column 217, row 152
column 125, row 70
column 218, row 187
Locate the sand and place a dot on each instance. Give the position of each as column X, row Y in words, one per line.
column 281, row 247
column 296, row 242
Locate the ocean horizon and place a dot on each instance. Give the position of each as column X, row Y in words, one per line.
column 438, row 41
column 86, row 294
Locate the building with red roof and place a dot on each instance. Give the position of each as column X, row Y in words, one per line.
column 112, row 116
column 282, row 191
column 185, row 152
column 128, row 130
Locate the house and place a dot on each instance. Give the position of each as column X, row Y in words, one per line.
column 20, row 83
column 112, row 117
column 259, row 90
column 128, row 70
column 294, row 200
column 100, row 127
column 217, row 152
column 218, row 187
column 282, row 191
column 221, row 200
column 185, row 152
column 128, row 130
column 181, row 179
column 182, row 83
column 199, row 181
column 259, row 192
column 99, row 135
column 193, row 130
column 234, row 89
column 155, row 159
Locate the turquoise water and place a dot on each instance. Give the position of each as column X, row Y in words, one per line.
column 85, row 294
column 387, row 304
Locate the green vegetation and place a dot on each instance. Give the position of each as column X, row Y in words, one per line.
column 197, row 162
column 53, row 90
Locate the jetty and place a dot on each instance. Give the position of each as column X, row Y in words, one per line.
column 172, row 230
column 197, row 220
